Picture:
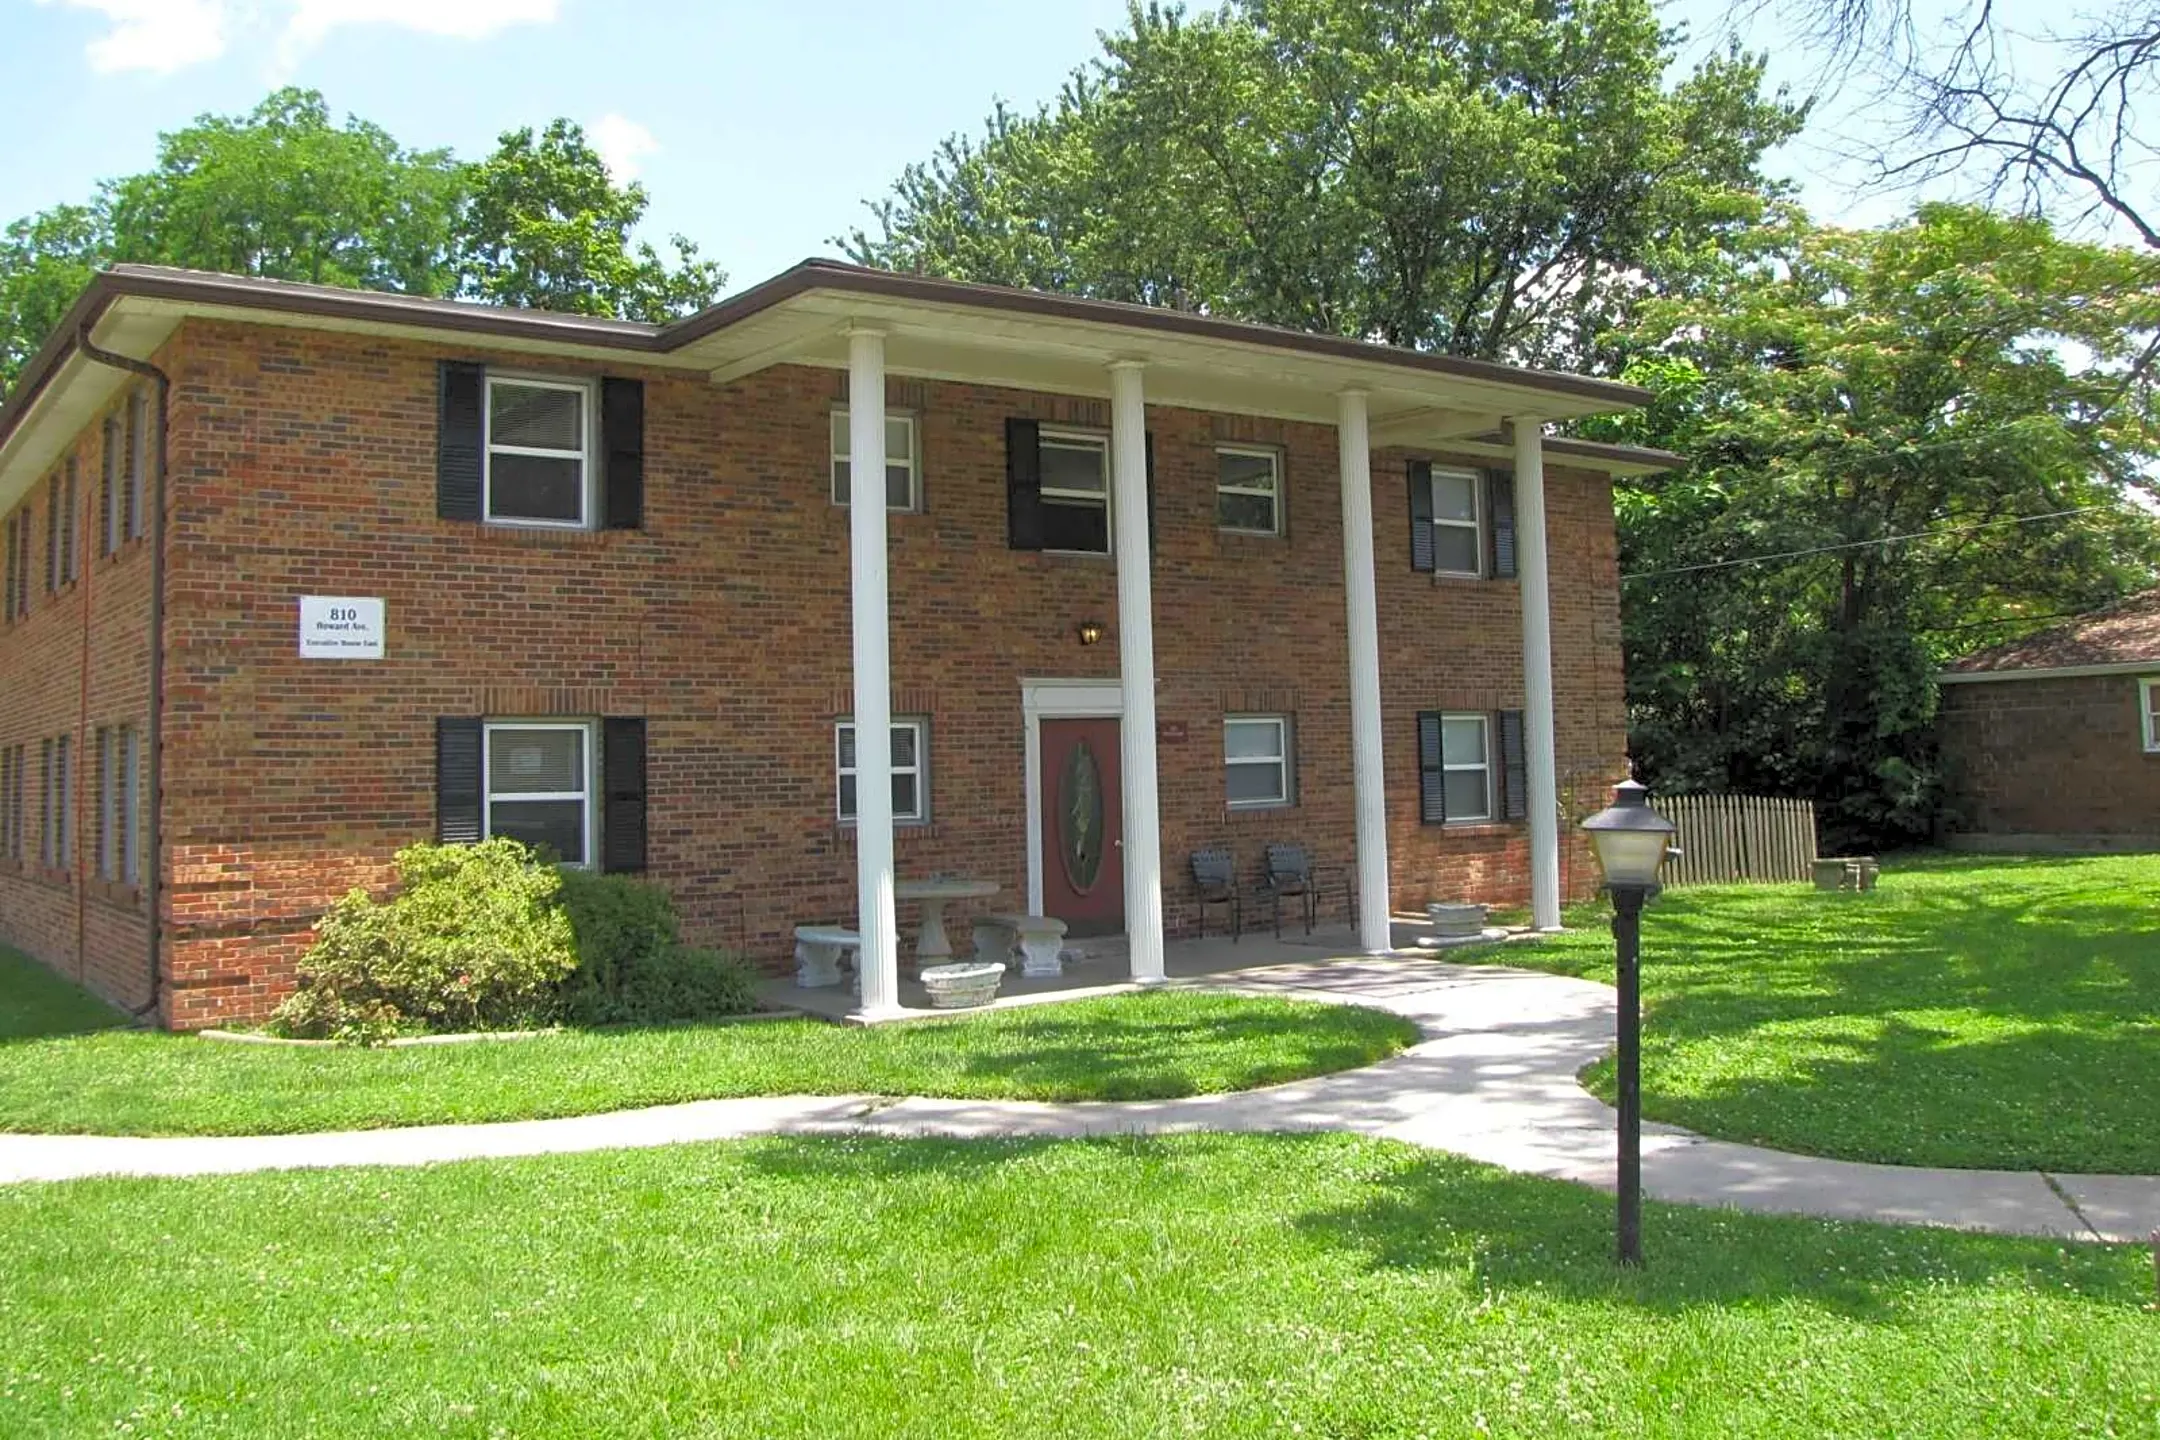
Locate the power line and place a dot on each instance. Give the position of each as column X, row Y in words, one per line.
column 1861, row 544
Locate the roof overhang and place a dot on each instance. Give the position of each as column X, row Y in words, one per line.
column 2051, row 672
column 936, row 329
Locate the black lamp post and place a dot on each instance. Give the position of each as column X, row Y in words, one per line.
column 1631, row 841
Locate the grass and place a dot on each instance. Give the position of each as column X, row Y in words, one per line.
column 1200, row 1285
column 1971, row 1012
column 59, row 1073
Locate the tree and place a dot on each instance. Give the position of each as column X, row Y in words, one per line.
column 1493, row 178
column 2045, row 117
column 285, row 193
column 545, row 226
column 1905, row 443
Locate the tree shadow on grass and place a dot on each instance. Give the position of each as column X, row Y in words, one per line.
column 1520, row 1234
column 37, row 1004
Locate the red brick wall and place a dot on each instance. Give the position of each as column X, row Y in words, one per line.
column 2056, row 763
column 76, row 662
column 304, row 464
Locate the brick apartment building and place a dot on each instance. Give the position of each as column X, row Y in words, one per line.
column 2053, row 742
column 296, row 576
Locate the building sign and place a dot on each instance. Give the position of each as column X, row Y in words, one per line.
column 1170, row 732
column 341, row 627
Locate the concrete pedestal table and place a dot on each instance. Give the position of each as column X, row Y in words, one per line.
column 934, row 947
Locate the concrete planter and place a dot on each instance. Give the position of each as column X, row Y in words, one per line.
column 1452, row 921
column 963, row 986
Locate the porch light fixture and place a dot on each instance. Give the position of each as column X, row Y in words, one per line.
column 1090, row 632
column 1631, row 841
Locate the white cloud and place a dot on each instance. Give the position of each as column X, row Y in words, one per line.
column 159, row 36
column 313, row 20
column 621, row 142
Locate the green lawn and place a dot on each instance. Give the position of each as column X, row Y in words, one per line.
column 1971, row 1012
column 59, row 1073
column 1203, row 1285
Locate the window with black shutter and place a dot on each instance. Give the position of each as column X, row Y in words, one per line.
column 622, row 443
column 1057, row 486
column 622, row 807
column 1421, row 531
column 1455, row 767
column 457, row 780
column 1500, row 503
column 1514, row 766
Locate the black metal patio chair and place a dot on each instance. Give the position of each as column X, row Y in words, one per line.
column 1214, row 874
column 1293, row 875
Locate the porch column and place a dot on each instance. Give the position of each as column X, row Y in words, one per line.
column 1530, row 569
column 872, row 625
column 1368, row 774
column 1136, row 669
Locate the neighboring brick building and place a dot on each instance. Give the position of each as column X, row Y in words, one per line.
column 2053, row 741
column 616, row 597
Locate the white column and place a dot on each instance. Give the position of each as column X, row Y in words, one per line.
column 1368, row 774
column 1530, row 567
column 1136, row 670
column 879, row 956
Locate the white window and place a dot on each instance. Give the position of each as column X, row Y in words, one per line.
column 1466, row 766
column 1256, row 757
column 1248, row 490
column 130, row 805
column 901, row 467
column 537, row 777
column 538, row 452
column 138, row 466
column 2149, row 695
column 108, row 833
column 1075, row 492
column 1458, row 537
column 910, row 770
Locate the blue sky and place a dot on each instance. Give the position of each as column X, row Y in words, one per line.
column 760, row 128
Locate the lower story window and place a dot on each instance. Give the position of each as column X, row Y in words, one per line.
column 1256, row 757
column 910, row 770
column 537, row 786
column 2149, row 692
column 1466, row 760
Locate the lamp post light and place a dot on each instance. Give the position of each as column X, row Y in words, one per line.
column 1631, row 841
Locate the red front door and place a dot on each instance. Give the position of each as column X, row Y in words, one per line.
column 1082, row 816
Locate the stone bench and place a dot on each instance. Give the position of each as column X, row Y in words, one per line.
column 1039, row 938
column 818, row 949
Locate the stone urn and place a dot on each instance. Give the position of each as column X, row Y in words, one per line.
column 1452, row 920
column 963, row 985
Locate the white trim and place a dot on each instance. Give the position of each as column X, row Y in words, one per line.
column 2058, row 672
column 1475, row 524
column 839, row 424
column 588, row 797
column 1042, row 700
column 1483, row 767
column 587, row 469
column 1274, row 495
column 1279, row 762
column 2149, row 712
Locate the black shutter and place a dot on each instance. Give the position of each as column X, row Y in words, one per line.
column 1500, row 503
column 463, row 390
column 1515, row 771
column 1151, row 494
column 106, row 527
column 52, row 535
column 1432, row 778
column 1023, row 484
column 622, row 443
column 622, row 817
column 457, row 780
column 1421, row 536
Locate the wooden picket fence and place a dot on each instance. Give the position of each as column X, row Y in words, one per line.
column 1724, row 838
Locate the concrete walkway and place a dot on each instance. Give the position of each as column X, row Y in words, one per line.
column 1493, row 1079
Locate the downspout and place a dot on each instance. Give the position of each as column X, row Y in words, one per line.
column 154, row 729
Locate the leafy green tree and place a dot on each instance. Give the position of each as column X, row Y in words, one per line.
column 45, row 261
column 1873, row 419
column 1492, row 178
column 546, row 227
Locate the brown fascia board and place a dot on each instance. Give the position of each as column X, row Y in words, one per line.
column 157, row 282
column 1594, row 453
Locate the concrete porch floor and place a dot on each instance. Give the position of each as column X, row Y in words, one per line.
column 1098, row 967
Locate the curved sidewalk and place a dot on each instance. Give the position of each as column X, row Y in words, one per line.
column 1494, row 1080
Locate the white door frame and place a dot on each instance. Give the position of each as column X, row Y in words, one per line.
column 1057, row 700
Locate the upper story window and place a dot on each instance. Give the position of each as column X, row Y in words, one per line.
column 1075, row 492
column 1458, row 524
column 902, row 491
column 539, row 452
column 1248, row 490
column 1256, row 755
column 2149, row 695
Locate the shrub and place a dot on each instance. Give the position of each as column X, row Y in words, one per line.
column 473, row 939
column 631, row 970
